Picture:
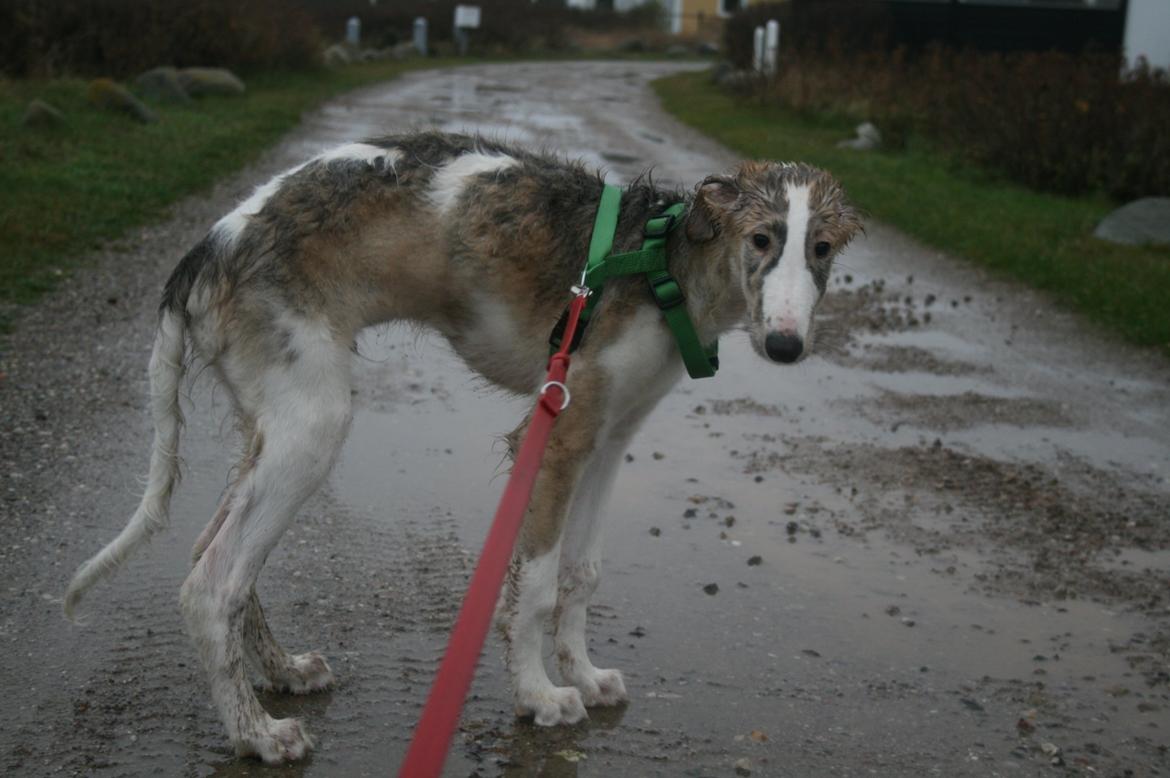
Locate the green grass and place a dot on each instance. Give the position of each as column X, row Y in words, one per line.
column 1044, row 240
column 67, row 189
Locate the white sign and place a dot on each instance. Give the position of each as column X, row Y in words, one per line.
column 467, row 16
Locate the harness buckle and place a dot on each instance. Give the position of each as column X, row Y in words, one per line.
column 659, row 226
column 667, row 293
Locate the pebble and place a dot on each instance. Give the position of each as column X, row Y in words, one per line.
column 711, row 589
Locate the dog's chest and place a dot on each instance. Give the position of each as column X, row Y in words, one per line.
column 494, row 343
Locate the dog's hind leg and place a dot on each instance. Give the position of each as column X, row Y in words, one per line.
column 302, row 421
column 282, row 671
column 579, row 574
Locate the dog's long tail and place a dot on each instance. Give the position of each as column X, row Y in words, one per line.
column 166, row 374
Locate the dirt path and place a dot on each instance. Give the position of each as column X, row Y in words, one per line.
column 943, row 549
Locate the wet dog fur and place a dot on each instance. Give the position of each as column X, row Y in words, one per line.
column 480, row 241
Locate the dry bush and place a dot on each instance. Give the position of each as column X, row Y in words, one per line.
column 120, row 38
column 1053, row 121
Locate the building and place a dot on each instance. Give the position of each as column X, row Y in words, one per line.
column 683, row 17
column 1136, row 28
column 1147, row 32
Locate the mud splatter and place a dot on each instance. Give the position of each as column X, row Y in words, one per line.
column 905, row 359
column 870, row 308
column 1046, row 533
column 947, row 412
column 740, row 406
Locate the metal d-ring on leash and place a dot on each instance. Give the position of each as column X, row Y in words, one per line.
column 432, row 737
column 564, row 390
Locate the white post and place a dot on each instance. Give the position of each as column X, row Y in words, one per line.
column 758, row 51
column 772, row 48
column 353, row 31
column 420, row 35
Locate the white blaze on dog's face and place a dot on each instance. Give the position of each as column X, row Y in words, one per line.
column 783, row 224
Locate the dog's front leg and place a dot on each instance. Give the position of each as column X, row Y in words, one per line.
column 579, row 575
column 530, row 592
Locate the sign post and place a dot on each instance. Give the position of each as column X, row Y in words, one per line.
column 466, row 18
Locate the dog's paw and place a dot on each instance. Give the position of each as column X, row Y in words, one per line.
column 552, row 706
column 279, row 741
column 602, row 688
column 306, row 673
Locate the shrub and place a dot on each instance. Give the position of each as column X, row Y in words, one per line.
column 121, row 38
column 1053, row 121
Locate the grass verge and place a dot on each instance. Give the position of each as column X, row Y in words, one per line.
column 1044, row 240
column 66, row 189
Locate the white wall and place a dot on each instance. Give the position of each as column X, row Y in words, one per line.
column 1147, row 32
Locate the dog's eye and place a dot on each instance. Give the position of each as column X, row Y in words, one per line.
column 761, row 240
column 821, row 250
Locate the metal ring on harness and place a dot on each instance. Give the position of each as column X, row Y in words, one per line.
column 564, row 389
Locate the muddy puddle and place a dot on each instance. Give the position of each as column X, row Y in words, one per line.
column 939, row 549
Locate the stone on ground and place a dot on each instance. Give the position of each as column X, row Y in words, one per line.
column 868, row 137
column 107, row 94
column 1139, row 223
column 198, row 82
column 41, row 114
column 162, row 84
column 337, row 56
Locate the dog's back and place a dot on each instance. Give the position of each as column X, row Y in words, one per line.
column 475, row 238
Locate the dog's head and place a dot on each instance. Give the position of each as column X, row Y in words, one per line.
column 779, row 226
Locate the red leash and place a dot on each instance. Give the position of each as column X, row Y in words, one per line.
column 440, row 716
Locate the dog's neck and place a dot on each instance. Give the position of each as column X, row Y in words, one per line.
column 710, row 281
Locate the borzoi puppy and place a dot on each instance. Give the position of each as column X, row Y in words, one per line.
column 482, row 242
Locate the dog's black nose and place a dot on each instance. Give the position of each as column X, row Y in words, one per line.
column 783, row 346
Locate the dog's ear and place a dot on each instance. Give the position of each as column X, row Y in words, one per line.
column 851, row 219
column 848, row 221
column 714, row 198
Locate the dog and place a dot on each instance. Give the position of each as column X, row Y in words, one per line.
column 480, row 241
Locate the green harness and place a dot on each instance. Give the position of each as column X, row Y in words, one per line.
column 650, row 260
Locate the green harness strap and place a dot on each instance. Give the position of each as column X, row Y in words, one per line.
column 650, row 260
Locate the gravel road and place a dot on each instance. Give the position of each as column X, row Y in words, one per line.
column 941, row 548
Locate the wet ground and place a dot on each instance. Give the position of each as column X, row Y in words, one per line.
column 942, row 548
